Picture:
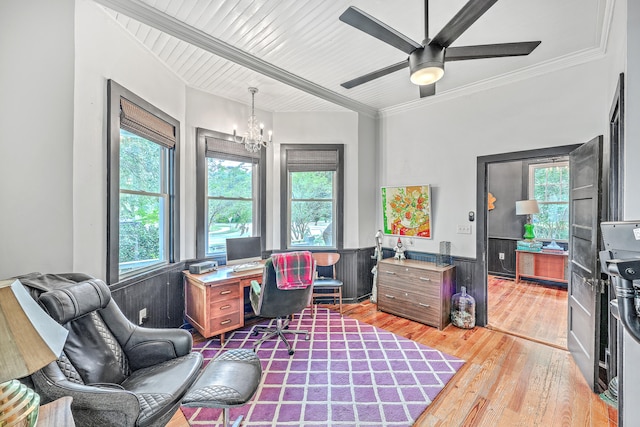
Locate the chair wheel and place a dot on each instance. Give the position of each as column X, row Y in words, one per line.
column 306, row 338
column 291, row 352
column 254, row 333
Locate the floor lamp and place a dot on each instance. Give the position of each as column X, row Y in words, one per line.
column 30, row 340
column 527, row 207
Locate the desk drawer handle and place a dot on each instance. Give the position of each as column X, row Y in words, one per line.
column 225, row 292
column 224, row 322
column 426, row 279
column 424, row 305
column 390, row 272
column 389, row 296
column 225, row 307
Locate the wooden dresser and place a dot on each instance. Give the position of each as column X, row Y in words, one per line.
column 214, row 302
column 417, row 290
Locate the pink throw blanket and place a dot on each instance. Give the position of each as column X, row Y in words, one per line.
column 294, row 270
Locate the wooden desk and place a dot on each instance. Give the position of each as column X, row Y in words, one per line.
column 549, row 266
column 56, row 414
column 214, row 302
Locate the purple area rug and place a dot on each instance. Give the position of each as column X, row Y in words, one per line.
column 348, row 374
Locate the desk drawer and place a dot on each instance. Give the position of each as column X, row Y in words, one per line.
column 224, row 307
column 225, row 322
column 224, row 292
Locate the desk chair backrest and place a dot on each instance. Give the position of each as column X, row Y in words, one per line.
column 274, row 302
column 326, row 259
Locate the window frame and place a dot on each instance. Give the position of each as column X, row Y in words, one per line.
column 531, row 185
column 285, row 192
column 202, row 193
column 172, row 174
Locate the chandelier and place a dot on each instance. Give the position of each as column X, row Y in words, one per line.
column 253, row 138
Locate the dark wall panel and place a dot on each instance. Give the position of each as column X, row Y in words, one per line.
column 161, row 293
column 505, row 182
column 495, row 265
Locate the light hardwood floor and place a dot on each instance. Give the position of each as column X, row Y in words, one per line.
column 531, row 310
column 506, row 380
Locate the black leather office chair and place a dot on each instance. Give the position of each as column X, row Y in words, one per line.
column 118, row 374
column 269, row 301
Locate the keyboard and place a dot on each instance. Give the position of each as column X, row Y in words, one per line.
column 247, row 266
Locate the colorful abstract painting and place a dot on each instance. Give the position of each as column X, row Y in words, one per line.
column 407, row 210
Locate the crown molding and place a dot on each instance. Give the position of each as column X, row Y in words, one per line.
column 500, row 80
column 605, row 8
column 148, row 15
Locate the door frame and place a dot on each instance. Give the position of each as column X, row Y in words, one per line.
column 482, row 236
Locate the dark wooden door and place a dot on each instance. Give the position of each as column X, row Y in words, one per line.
column 585, row 201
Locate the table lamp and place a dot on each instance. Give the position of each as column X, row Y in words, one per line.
column 30, row 340
column 527, row 207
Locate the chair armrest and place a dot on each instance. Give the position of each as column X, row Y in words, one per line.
column 255, row 287
column 148, row 347
column 145, row 347
column 91, row 405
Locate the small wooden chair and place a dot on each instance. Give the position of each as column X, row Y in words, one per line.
column 324, row 286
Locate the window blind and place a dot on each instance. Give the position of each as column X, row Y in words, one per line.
column 229, row 150
column 312, row 160
column 141, row 122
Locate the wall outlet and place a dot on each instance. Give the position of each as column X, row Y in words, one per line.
column 464, row 229
column 501, row 255
column 142, row 316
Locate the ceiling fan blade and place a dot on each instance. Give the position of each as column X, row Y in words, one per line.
column 469, row 13
column 489, row 51
column 370, row 25
column 427, row 90
column 375, row 74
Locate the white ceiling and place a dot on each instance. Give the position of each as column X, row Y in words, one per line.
column 297, row 52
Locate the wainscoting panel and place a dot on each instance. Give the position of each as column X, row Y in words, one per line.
column 506, row 267
column 161, row 293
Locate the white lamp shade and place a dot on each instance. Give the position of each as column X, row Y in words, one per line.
column 30, row 338
column 527, row 207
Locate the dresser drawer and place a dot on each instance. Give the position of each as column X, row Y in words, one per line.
column 412, row 280
column 402, row 294
column 423, row 312
column 416, row 290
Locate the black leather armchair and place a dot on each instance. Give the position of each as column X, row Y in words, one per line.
column 119, row 374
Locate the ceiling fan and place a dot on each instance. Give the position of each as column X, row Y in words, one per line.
column 426, row 60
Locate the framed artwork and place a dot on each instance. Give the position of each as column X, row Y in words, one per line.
column 406, row 211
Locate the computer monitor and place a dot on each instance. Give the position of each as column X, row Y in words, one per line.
column 243, row 249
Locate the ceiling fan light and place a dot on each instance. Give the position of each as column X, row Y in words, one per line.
column 427, row 75
column 426, row 65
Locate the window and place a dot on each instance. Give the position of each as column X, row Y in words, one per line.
column 231, row 183
column 142, row 186
column 549, row 185
column 312, row 196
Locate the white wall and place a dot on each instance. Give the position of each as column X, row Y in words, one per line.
column 219, row 114
column 439, row 143
column 315, row 128
column 36, row 118
column 630, row 412
column 105, row 51
column 368, row 184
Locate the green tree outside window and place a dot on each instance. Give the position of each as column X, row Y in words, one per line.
column 230, row 203
column 549, row 185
